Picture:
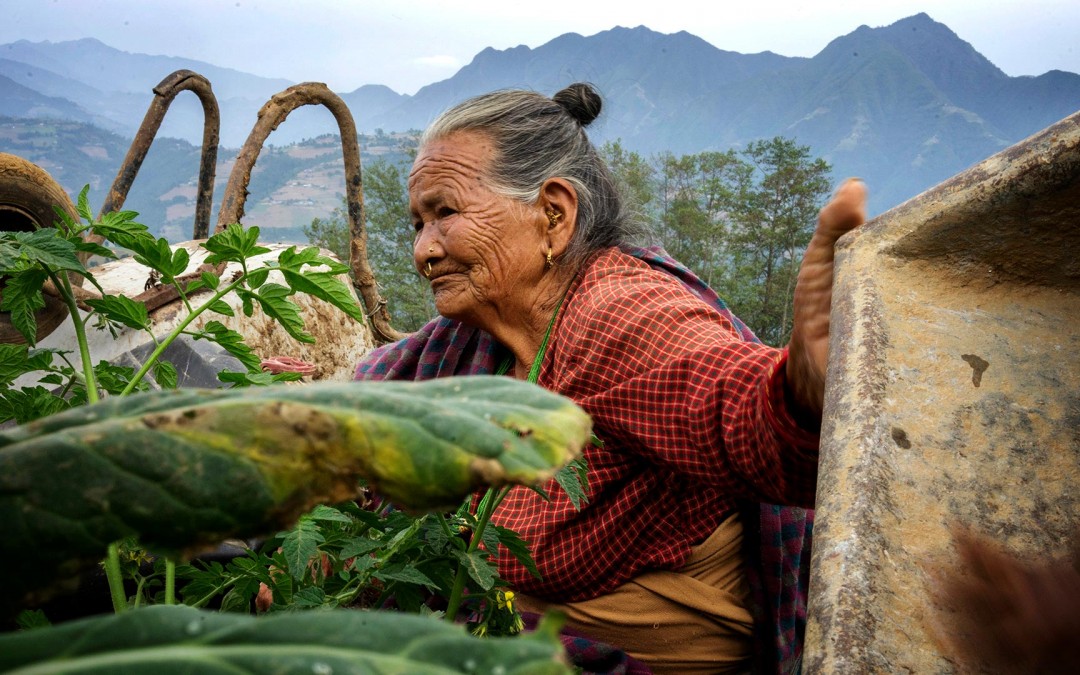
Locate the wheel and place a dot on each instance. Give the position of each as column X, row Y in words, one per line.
column 27, row 195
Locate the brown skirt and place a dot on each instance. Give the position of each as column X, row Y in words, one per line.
column 693, row 620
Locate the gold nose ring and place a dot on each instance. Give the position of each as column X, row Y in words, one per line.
column 427, row 271
column 431, row 249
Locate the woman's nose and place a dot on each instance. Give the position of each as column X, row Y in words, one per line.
column 425, row 250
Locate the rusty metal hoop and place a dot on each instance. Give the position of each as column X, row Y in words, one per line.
column 272, row 114
column 164, row 93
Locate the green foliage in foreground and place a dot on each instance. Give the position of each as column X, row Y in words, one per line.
column 189, row 468
column 185, row 640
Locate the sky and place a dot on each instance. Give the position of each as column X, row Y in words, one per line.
column 407, row 44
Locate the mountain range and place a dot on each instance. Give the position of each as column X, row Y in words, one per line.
column 903, row 106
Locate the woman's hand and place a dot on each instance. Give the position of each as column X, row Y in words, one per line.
column 808, row 350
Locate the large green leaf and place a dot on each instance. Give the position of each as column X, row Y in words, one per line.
column 188, row 468
column 48, row 247
column 23, row 297
column 234, row 244
column 179, row 639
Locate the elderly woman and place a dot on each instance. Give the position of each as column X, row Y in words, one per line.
column 522, row 233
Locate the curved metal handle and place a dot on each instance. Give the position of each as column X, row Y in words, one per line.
column 272, row 114
column 164, row 94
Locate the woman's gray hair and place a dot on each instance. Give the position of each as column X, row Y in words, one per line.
column 537, row 138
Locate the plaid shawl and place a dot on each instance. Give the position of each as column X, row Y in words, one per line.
column 778, row 538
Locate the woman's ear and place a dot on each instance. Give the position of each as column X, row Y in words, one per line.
column 559, row 200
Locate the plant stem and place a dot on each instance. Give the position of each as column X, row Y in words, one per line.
column 217, row 589
column 446, row 527
column 62, row 282
column 116, row 580
column 170, row 581
column 488, row 504
column 175, row 333
column 112, row 559
column 138, row 592
column 454, row 603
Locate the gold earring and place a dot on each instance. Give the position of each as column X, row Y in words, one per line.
column 553, row 217
column 550, row 262
column 427, row 271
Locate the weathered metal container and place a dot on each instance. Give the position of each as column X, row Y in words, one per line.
column 340, row 341
column 953, row 400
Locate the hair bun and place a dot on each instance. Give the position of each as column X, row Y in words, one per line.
column 581, row 101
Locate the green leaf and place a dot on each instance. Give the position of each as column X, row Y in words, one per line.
column 165, row 374
column 359, row 546
column 329, row 514
column 518, row 548
column 232, row 342
column 291, row 260
column 179, row 639
column 29, row 619
column 122, row 309
column 157, row 255
column 82, row 205
column 47, row 247
column 64, row 220
column 256, row 379
column 179, row 262
column 408, row 575
column 257, row 277
column 574, row 479
column 327, row 287
column 42, row 359
column 114, row 379
column 234, row 601
column 210, row 279
column 191, row 467
column 28, row 404
column 478, row 568
column 13, row 363
column 234, row 244
column 9, row 255
column 300, row 545
column 120, row 228
column 221, row 307
column 94, row 249
column 309, row 597
column 274, row 300
column 23, row 298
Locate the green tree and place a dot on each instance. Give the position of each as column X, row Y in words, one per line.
column 634, row 175
column 697, row 195
column 768, row 229
column 739, row 220
column 390, row 243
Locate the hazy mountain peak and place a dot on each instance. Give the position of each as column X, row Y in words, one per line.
column 904, row 105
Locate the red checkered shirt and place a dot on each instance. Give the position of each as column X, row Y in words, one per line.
column 691, row 418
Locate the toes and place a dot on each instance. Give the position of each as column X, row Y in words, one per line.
column 845, row 211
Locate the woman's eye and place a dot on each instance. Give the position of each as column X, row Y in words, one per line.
column 445, row 212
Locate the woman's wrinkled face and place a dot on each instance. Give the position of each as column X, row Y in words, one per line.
column 486, row 251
